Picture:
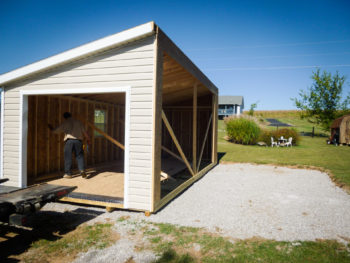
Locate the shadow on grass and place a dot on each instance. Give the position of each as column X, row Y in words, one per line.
column 48, row 225
column 170, row 256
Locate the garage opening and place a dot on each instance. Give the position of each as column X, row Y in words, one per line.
column 103, row 116
column 187, row 121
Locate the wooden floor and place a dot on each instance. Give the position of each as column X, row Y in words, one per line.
column 106, row 181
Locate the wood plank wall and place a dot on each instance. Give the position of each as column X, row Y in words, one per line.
column 45, row 149
column 180, row 120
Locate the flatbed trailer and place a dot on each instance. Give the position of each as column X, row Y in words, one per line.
column 17, row 203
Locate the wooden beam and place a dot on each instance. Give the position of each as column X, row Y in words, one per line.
column 214, row 157
column 36, row 138
column 172, row 153
column 48, row 137
column 118, row 128
column 82, row 99
column 204, row 141
column 112, row 118
column 93, row 135
column 194, row 130
column 90, row 202
column 172, row 134
column 157, row 123
column 187, row 107
column 114, row 141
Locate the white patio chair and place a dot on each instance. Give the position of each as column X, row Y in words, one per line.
column 289, row 142
column 273, row 142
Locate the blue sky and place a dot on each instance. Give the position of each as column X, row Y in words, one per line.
column 263, row 50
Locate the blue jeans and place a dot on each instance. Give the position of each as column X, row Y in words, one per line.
column 71, row 146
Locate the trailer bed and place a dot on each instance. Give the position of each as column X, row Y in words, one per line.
column 16, row 203
column 42, row 191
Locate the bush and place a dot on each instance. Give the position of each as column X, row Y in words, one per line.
column 242, row 130
column 265, row 135
column 286, row 133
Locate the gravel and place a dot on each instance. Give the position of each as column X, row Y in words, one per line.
column 120, row 252
column 242, row 201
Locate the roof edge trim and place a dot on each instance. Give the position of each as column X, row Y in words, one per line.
column 78, row 52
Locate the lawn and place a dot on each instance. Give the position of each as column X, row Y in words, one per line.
column 312, row 152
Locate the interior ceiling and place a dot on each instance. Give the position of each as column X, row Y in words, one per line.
column 178, row 83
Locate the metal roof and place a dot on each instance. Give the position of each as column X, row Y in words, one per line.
column 235, row 100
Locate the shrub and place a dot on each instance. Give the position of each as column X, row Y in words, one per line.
column 242, row 130
column 265, row 135
column 286, row 133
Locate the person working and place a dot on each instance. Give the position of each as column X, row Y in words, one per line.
column 74, row 133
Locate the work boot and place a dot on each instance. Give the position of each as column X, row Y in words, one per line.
column 83, row 174
column 68, row 176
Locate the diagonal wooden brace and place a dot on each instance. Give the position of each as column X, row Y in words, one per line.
column 204, row 141
column 172, row 134
column 114, row 141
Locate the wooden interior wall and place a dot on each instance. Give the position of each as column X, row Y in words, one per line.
column 180, row 119
column 45, row 149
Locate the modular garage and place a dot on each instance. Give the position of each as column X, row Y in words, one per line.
column 151, row 114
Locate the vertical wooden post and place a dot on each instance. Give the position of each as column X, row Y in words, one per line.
column 48, row 137
column 36, row 139
column 214, row 157
column 194, row 130
column 157, row 122
column 112, row 121
column 93, row 136
column 57, row 136
column 118, row 128
column 86, row 129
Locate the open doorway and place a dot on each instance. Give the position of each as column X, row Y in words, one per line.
column 187, row 127
column 103, row 116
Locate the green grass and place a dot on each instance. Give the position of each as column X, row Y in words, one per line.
column 312, row 152
column 182, row 244
column 96, row 236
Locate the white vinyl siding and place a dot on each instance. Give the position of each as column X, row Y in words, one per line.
column 131, row 65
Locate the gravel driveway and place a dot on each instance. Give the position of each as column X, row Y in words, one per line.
column 243, row 201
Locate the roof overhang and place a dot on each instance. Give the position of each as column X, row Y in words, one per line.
column 80, row 52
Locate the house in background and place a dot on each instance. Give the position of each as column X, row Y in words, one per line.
column 230, row 105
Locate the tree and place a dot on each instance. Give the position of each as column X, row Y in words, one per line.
column 252, row 108
column 322, row 102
